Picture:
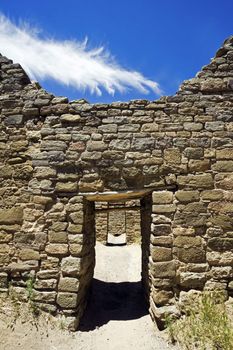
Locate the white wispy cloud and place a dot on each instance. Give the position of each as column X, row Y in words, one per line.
column 70, row 63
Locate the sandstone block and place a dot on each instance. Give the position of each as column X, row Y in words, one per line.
column 187, row 241
column 164, row 241
column 45, row 297
column 163, row 269
column 212, row 195
column 189, row 126
column 108, row 128
column 161, row 253
column 163, row 208
column 199, row 165
column 67, row 300
column 29, row 254
column 223, row 166
column 220, row 244
column 58, row 237
column 59, row 226
column 45, row 284
column 192, row 280
column 68, row 284
column 66, row 187
column 183, row 231
column 221, row 207
column 75, row 249
column 187, row 196
column 13, row 120
column 47, row 274
column 70, row 118
column 75, row 229
column 49, row 145
column 220, row 258
column 172, row 156
column 214, row 126
column 150, row 127
column 44, row 172
column 56, row 249
column 162, row 197
column 225, row 153
column 194, row 153
column 161, row 297
column 222, row 272
column 11, row 216
column 142, row 144
column 201, row 181
column 190, row 255
column 96, row 146
column 161, row 230
column 71, row 266
column 121, row 145
column 91, row 186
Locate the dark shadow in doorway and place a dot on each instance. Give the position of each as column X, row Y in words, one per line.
column 113, row 301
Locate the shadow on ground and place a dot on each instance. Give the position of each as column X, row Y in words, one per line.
column 113, row 301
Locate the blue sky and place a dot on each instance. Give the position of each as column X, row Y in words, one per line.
column 166, row 41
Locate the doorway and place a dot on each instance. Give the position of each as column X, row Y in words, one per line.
column 120, row 285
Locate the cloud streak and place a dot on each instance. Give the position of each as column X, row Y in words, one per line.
column 69, row 63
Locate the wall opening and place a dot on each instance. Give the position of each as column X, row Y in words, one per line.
column 120, row 284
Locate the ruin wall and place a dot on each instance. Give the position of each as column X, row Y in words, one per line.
column 58, row 157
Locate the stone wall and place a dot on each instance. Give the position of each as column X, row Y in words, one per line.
column 57, row 157
column 120, row 220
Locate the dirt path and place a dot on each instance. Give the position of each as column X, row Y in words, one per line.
column 116, row 317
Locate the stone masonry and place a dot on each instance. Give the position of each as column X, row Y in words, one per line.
column 58, row 157
column 120, row 220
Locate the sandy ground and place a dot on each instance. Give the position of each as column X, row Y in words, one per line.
column 116, row 317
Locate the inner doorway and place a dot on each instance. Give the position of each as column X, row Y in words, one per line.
column 118, row 223
column 120, row 287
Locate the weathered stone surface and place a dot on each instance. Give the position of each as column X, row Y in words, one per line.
column 70, row 118
column 45, row 284
column 71, row 266
column 162, row 197
column 163, row 208
column 196, row 181
column 29, row 254
column 68, row 284
column 66, row 187
column 187, row 241
column 58, row 237
column 161, row 254
column 56, row 249
column 45, row 297
column 220, row 258
column 172, row 156
column 220, row 244
column 187, row 196
column 190, row 255
column 67, row 300
column 163, row 269
column 192, row 280
column 13, row 120
column 11, row 216
column 160, row 230
column 161, row 297
column 183, row 231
